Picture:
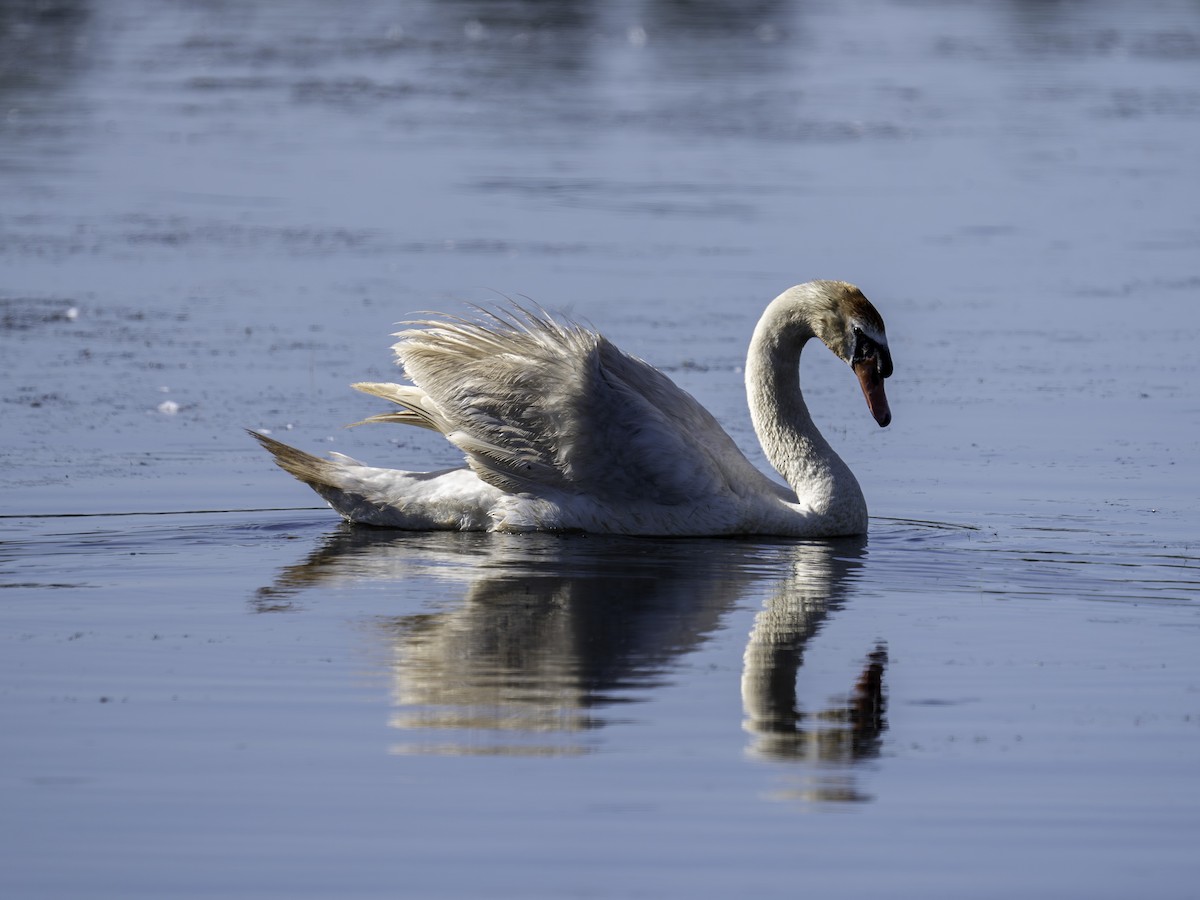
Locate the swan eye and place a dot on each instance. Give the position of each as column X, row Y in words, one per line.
column 867, row 348
column 863, row 346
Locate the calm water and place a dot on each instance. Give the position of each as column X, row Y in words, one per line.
column 212, row 215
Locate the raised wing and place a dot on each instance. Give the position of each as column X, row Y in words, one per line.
column 539, row 404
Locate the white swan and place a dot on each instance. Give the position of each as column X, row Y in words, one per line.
column 564, row 432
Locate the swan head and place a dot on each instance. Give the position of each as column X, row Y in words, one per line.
column 851, row 327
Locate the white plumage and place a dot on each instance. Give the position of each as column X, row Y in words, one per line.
column 563, row 431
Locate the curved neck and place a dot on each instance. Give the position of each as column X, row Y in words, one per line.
column 792, row 443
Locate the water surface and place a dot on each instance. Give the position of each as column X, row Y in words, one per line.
column 212, row 215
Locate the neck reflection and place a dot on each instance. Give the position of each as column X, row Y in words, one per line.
column 530, row 645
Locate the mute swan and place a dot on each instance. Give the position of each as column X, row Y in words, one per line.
column 564, row 432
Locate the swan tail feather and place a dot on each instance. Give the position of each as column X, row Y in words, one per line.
column 317, row 473
column 453, row 499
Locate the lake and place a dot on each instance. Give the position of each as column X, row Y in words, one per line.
column 213, row 216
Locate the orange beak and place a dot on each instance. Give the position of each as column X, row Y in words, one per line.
column 867, row 370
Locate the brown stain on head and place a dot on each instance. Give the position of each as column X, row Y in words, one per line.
column 834, row 310
column 853, row 303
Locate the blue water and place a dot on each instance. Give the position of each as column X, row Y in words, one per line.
column 212, row 216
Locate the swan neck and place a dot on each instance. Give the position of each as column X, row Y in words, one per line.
column 790, row 439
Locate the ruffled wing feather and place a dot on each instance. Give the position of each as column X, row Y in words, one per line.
column 538, row 404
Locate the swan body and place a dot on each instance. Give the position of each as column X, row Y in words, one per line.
column 562, row 431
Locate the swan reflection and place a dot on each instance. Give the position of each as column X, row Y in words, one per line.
column 845, row 731
column 527, row 645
